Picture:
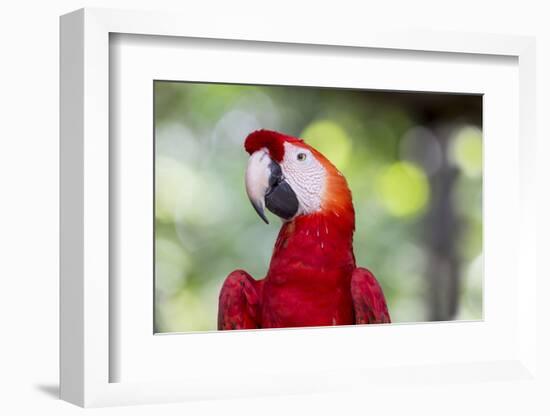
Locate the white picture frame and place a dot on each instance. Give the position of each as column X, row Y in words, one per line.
column 87, row 302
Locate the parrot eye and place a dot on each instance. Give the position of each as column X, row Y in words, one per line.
column 301, row 157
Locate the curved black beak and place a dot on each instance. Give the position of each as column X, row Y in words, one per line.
column 280, row 199
column 267, row 188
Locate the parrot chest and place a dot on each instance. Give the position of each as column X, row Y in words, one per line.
column 306, row 296
column 308, row 282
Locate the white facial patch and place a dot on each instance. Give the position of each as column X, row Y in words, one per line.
column 306, row 176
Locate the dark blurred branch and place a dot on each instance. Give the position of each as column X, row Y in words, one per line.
column 442, row 223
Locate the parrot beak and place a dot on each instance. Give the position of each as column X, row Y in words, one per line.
column 267, row 188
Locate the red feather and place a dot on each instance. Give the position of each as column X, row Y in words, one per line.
column 368, row 299
column 240, row 300
column 312, row 278
column 271, row 140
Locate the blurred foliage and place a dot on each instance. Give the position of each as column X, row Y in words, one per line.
column 390, row 146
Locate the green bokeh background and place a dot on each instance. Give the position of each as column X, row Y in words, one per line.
column 413, row 162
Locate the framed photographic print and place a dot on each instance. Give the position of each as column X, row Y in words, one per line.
column 308, row 199
column 380, row 172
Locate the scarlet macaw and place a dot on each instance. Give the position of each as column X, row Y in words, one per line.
column 312, row 278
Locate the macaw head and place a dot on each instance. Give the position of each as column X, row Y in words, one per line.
column 291, row 178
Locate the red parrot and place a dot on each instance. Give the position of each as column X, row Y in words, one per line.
column 312, row 279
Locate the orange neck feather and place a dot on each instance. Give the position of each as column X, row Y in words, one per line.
column 337, row 200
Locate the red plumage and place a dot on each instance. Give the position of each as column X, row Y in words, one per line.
column 271, row 140
column 312, row 279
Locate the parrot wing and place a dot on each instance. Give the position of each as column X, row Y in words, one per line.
column 368, row 299
column 239, row 302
